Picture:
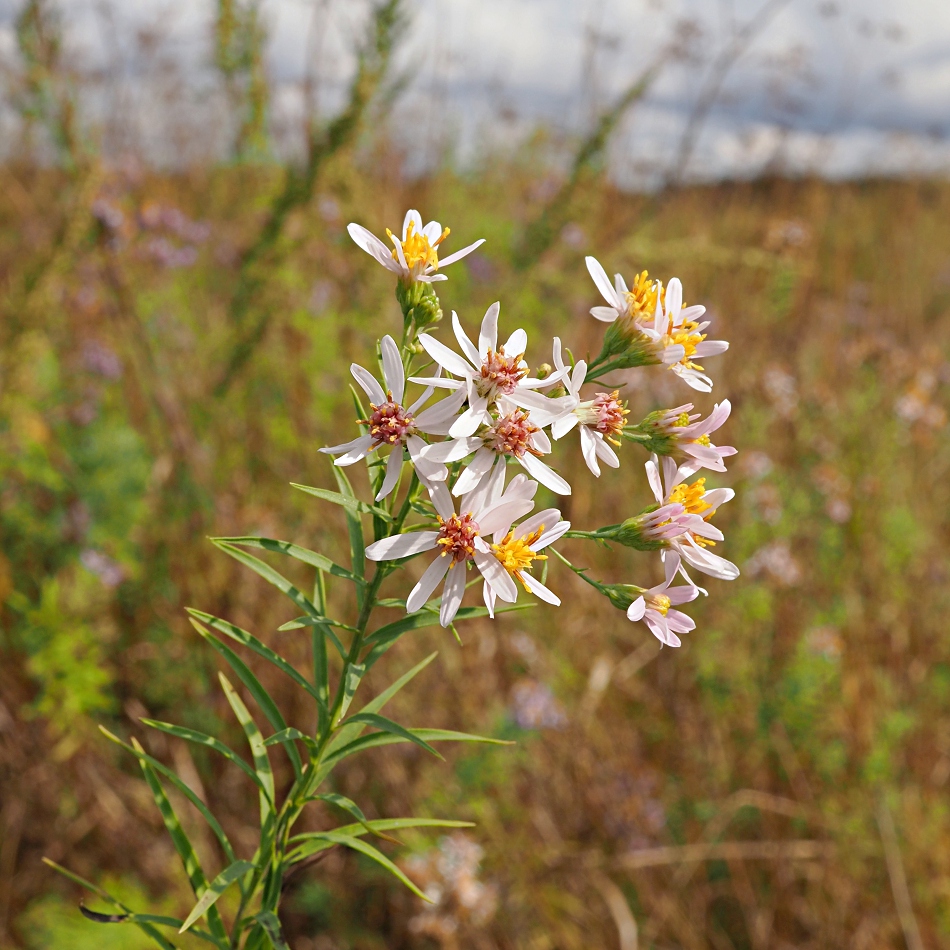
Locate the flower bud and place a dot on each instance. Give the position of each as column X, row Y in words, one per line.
column 543, row 371
column 419, row 303
column 621, row 595
column 626, row 345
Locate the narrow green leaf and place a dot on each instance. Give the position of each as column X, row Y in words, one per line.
column 252, row 643
column 185, row 790
column 349, row 503
column 388, row 738
column 318, row 646
column 144, row 926
column 312, row 558
column 182, row 843
column 286, row 735
column 201, row 739
column 351, row 808
column 388, row 725
column 258, row 750
column 354, row 527
column 308, row 843
column 357, row 844
column 133, row 918
column 298, row 623
column 354, row 676
column 261, row 696
column 271, row 924
column 279, row 581
column 217, row 887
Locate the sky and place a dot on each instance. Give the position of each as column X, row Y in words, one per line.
column 837, row 87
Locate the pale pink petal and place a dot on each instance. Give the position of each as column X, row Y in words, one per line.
column 496, row 575
column 589, row 450
column 452, row 593
column 545, row 475
column 402, row 545
column 444, row 356
column 393, row 469
column 538, row 589
column 480, row 465
column 636, row 610
column 421, row 593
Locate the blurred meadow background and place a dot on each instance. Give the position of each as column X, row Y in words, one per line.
column 179, row 303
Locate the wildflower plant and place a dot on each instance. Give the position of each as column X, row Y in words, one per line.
column 454, row 469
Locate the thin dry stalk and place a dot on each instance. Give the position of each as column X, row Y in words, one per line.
column 895, row 871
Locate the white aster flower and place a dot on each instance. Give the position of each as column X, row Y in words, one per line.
column 517, row 549
column 599, row 420
column 512, row 435
column 676, row 432
column 676, row 330
column 460, row 541
column 390, row 424
column 487, row 373
column 654, row 608
column 639, row 303
column 693, row 544
column 415, row 256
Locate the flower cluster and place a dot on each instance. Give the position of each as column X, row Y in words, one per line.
column 496, row 417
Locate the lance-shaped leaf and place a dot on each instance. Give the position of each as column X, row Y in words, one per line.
column 354, row 527
column 382, row 639
column 271, row 924
column 181, row 841
column 286, row 735
column 146, row 926
column 258, row 750
column 354, row 676
column 187, row 791
column 252, row 643
column 200, row 738
column 351, row 808
column 217, row 887
column 357, row 844
column 261, row 696
column 389, row 738
column 347, row 502
column 388, row 725
column 312, row 558
column 281, row 583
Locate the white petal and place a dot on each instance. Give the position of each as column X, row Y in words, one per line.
column 563, row 424
column 488, row 334
column 373, row 246
column 516, row 344
column 602, row 281
column 438, row 419
column 357, row 453
column 545, row 475
column 636, row 610
column 589, row 450
column 496, row 575
column 393, row 469
column 538, row 589
column 549, row 517
column 653, row 477
column 554, row 534
column 402, row 545
column 604, row 452
column 444, row 356
column 539, row 440
column 487, row 493
column 393, row 372
column 452, row 593
column 458, row 255
column 420, row 594
column 433, row 231
column 452, row 450
column 606, row 314
column 674, row 300
column 658, row 627
column 368, row 383
column 472, row 475
column 471, row 419
column 488, row 595
column 363, row 442
column 429, row 471
column 439, row 382
column 416, row 219
column 441, row 499
column 468, row 347
column 500, row 516
column 710, row 348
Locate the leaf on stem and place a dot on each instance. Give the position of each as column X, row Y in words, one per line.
column 388, row 738
column 271, row 924
column 347, row 502
column 354, row 527
column 312, row 558
column 287, row 734
column 351, row 808
column 388, row 725
column 217, row 887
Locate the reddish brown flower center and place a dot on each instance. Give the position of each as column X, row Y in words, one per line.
column 457, row 536
column 511, row 435
column 605, row 413
column 500, row 374
column 389, row 423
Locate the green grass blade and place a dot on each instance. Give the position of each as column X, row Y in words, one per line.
column 140, row 754
column 261, row 696
column 252, row 643
column 351, row 808
column 318, row 646
column 192, row 735
column 148, row 919
column 182, row 843
column 388, row 725
column 258, row 750
column 312, row 558
column 345, row 501
column 217, row 887
column 288, row 734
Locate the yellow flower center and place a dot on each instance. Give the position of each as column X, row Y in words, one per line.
column 641, row 297
column 691, row 497
column 417, row 249
column 689, row 337
column 660, row 603
column 516, row 554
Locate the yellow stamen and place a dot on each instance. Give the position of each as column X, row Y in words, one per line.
column 689, row 337
column 516, row 554
column 660, row 603
column 416, row 248
column 641, row 298
column 691, row 497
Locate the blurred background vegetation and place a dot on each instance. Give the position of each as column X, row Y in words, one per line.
column 174, row 345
